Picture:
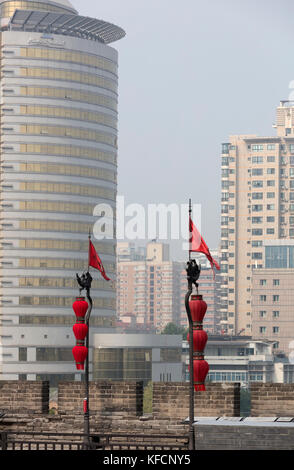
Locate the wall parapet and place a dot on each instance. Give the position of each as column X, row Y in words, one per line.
column 19, row 396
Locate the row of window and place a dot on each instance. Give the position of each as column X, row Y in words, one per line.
column 68, row 151
column 259, row 171
column 68, row 113
column 59, row 263
column 65, row 245
column 67, row 170
column 275, row 298
column 260, row 147
column 63, row 301
column 259, row 159
column 276, row 282
column 68, row 94
column 259, row 195
column 259, row 231
column 51, row 206
column 272, row 159
column 62, row 188
column 69, row 320
column 259, row 207
column 58, row 282
column 263, row 313
column 69, row 56
column 53, row 226
column 72, row 132
column 227, row 376
column 66, row 75
column 275, row 329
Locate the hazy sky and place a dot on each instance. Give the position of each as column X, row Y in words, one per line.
column 191, row 73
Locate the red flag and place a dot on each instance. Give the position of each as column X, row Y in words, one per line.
column 198, row 244
column 95, row 261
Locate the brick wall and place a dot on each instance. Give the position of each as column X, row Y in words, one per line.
column 171, row 400
column 24, row 396
column 107, row 398
column 272, row 399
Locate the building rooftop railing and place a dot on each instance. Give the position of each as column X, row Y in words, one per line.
column 65, row 24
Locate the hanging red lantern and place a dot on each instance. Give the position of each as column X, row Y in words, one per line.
column 80, row 331
column 200, row 368
column 199, row 340
column 198, row 308
column 80, row 353
column 80, row 307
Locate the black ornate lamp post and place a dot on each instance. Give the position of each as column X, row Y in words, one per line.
column 85, row 282
column 193, row 273
column 195, row 308
column 83, row 311
column 81, row 352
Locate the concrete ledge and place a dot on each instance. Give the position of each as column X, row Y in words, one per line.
column 247, row 434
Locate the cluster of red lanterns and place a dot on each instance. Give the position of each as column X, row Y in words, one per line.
column 80, row 329
column 198, row 309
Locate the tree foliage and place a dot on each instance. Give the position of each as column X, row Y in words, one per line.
column 173, row 329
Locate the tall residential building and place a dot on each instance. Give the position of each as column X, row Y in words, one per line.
column 150, row 288
column 58, row 161
column 273, row 296
column 257, row 204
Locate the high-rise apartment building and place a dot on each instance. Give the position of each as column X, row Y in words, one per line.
column 150, row 288
column 257, row 203
column 273, row 296
column 58, row 161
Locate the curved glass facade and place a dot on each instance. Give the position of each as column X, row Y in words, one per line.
column 58, row 161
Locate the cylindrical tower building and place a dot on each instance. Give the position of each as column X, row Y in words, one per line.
column 58, row 161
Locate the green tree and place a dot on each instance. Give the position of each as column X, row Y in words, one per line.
column 173, row 329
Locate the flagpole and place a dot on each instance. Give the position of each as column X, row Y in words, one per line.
column 191, row 352
column 190, row 217
column 89, row 237
column 86, row 400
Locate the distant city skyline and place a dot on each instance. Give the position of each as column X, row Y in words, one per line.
column 191, row 75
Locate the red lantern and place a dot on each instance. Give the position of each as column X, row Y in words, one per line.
column 201, row 368
column 198, row 308
column 80, row 353
column 199, row 340
column 80, row 307
column 80, row 331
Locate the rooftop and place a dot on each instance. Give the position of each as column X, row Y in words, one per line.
column 65, row 24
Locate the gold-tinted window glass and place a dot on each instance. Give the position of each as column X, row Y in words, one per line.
column 69, row 94
column 54, row 226
column 63, row 301
column 70, row 170
column 69, row 56
column 59, row 263
column 69, row 76
column 65, row 245
column 68, row 150
column 56, row 282
column 69, row 132
column 8, row 8
column 68, row 113
column 62, row 188
column 68, row 320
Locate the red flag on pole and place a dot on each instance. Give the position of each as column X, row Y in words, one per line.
column 198, row 244
column 95, row 261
